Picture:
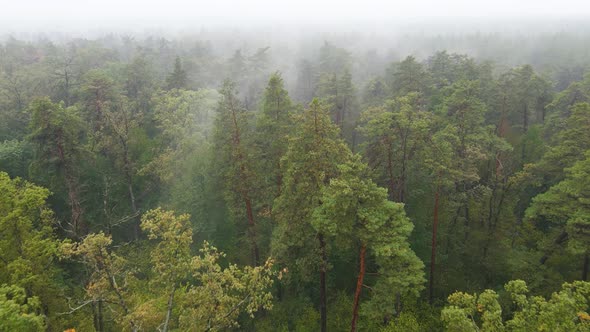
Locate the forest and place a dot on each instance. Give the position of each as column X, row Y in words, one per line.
column 209, row 182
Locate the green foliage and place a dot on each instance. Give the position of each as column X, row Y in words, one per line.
column 15, row 156
column 185, row 119
column 55, row 134
column 19, row 312
column 235, row 166
column 274, row 123
column 109, row 272
column 569, row 146
column 363, row 214
column 194, row 293
column 408, row 76
column 29, row 251
column 564, row 206
column 113, row 128
column 177, row 78
column 565, row 310
column 296, row 314
column 171, row 255
column 395, row 134
column 338, row 93
column 560, row 107
column 221, row 294
column 333, row 59
column 312, row 159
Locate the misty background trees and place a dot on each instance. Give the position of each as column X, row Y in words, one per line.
column 325, row 182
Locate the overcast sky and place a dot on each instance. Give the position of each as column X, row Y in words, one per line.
column 22, row 13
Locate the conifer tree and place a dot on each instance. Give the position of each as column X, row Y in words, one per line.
column 395, row 133
column 177, row 78
column 272, row 127
column 55, row 133
column 233, row 150
column 563, row 210
column 315, row 151
column 408, row 76
column 379, row 228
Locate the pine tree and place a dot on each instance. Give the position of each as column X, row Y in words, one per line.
column 315, row 151
column 233, row 151
column 563, row 209
column 273, row 125
column 395, row 133
column 55, row 133
column 177, row 79
column 408, row 76
column 353, row 209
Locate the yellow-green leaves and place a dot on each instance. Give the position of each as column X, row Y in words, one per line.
column 171, row 256
column 220, row 295
column 19, row 312
column 178, row 289
column 566, row 310
column 28, row 247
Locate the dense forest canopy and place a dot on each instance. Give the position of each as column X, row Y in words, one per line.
column 261, row 179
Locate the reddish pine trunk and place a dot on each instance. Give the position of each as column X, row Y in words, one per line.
column 323, row 268
column 359, row 287
column 433, row 253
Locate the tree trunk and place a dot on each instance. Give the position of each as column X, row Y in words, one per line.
column 323, row 268
column 433, row 252
column 74, row 200
column 169, row 309
column 359, row 287
column 121, row 300
column 129, row 179
column 133, row 209
column 236, row 140
column 99, row 318
column 78, row 225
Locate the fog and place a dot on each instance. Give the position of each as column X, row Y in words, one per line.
column 90, row 15
column 550, row 35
